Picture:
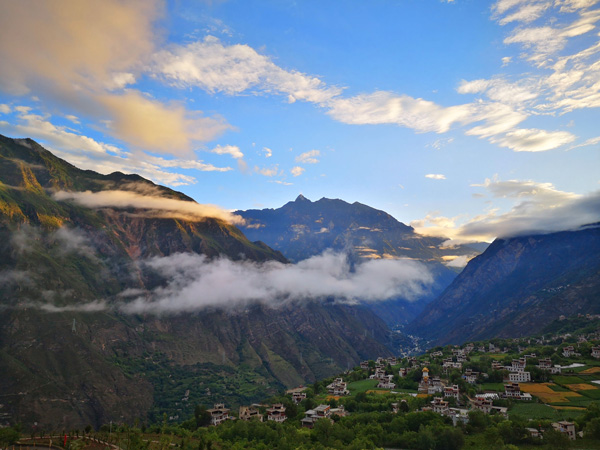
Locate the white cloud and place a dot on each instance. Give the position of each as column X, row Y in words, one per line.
column 435, row 176
column 527, row 13
column 309, row 157
column 538, row 208
column 501, row 6
column 387, row 108
column 232, row 150
column 234, row 69
column 438, row 144
column 194, row 282
column 457, row 261
column 532, row 140
column 185, row 164
column 297, row 171
column 575, row 5
column 87, row 153
column 501, row 90
column 79, row 57
column 591, row 141
column 153, row 206
column 268, row 152
column 4, row 109
column 268, row 171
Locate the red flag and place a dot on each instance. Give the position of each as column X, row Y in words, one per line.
column 65, row 443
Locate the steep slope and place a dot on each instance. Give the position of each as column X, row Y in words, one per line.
column 516, row 287
column 70, row 357
column 302, row 228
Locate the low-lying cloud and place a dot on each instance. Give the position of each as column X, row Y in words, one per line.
column 156, row 206
column 539, row 208
column 194, row 282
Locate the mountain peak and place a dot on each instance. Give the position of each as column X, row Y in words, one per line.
column 302, row 198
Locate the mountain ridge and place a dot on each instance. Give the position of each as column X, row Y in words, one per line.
column 301, row 229
column 67, row 356
column 517, row 285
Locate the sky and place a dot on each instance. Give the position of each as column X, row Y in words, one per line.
column 464, row 118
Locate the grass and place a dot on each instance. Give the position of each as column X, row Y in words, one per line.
column 493, row 387
column 566, row 379
column 361, row 386
column 539, row 411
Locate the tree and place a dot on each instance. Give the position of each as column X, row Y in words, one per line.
column 8, row 436
column 592, row 429
column 202, row 416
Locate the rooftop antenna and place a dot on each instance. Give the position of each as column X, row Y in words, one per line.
column 74, row 326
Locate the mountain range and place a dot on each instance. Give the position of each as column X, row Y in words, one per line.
column 101, row 276
column 517, row 287
column 303, row 228
column 73, row 247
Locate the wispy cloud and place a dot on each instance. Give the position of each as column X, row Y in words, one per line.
column 88, row 153
column 309, row 157
column 232, row 150
column 151, row 205
column 297, row 171
column 215, row 67
column 435, row 176
column 268, row 171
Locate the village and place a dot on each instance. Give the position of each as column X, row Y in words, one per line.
column 560, row 379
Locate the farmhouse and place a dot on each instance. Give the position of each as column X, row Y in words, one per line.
column 218, row 414
column 519, row 377
column 567, row 428
column 482, row 404
column 250, row 413
column 440, row 406
column 312, row 415
column 338, row 388
column 297, row 397
column 452, row 391
column 276, row 413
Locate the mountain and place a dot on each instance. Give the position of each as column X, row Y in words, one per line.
column 302, row 228
column 74, row 248
column 517, row 287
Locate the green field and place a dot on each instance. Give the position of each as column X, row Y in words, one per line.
column 566, row 379
column 534, row 411
column 361, row 386
column 493, row 387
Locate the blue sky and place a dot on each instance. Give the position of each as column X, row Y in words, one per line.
column 469, row 119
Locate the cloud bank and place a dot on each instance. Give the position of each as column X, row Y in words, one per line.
column 155, row 206
column 194, row 282
column 538, row 208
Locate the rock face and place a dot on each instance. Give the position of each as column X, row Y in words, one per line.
column 302, row 228
column 517, row 287
column 62, row 365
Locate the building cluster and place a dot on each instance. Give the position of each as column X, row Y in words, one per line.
column 338, row 388
column 220, row 414
column 446, row 395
